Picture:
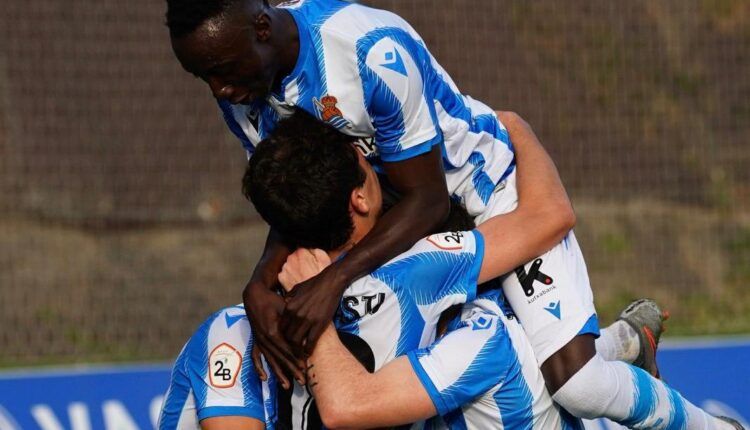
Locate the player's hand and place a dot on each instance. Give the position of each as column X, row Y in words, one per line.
column 264, row 309
column 310, row 308
column 302, row 265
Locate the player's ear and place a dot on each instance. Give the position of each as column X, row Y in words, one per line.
column 358, row 201
column 262, row 26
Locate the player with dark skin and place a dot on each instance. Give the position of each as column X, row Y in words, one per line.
column 242, row 55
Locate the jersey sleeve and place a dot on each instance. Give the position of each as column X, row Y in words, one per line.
column 396, row 96
column 466, row 363
column 239, row 124
column 440, row 270
column 221, row 372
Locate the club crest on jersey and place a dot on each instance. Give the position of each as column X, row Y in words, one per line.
column 447, row 241
column 329, row 112
column 224, row 365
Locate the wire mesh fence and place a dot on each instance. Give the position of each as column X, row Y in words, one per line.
column 121, row 220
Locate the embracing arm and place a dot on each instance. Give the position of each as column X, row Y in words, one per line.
column 423, row 206
column 392, row 396
column 544, row 214
column 264, row 308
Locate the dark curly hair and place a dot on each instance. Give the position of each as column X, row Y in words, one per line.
column 300, row 180
column 184, row 16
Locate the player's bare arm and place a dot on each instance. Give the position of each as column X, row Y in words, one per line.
column 544, row 213
column 423, row 206
column 391, row 396
column 261, row 289
column 232, row 423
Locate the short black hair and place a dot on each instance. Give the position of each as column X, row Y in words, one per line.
column 300, row 180
column 184, row 16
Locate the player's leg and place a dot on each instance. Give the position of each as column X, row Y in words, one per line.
column 630, row 396
column 552, row 298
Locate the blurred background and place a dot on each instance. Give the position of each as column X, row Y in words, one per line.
column 122, row 225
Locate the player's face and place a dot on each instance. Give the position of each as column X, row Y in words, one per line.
column 228, row 57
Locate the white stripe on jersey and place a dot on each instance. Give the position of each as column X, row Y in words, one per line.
column 483, row 374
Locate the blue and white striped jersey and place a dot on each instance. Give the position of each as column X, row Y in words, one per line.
column 214, row 376
column 396, row 308
column 368, row 73
column 483, row 374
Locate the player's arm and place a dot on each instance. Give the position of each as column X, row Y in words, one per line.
column 392, row 396
column 232, row 423
column 348, row 396
column 544, row 214
column 426, row 382
column 408, row 140
column 264, row 308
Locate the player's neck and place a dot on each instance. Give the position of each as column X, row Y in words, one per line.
column 286, row 40
column 362, row 226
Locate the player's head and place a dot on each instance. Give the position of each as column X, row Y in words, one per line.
column 227, row 43
column 310, row 184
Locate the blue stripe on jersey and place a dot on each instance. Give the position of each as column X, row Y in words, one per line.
column 378, row 94
column 425, row 379
column 234, row 127
column 486, row 366
column 483, row 185
column 320, row 11
column 412, row 323
column 225, row 411
column 251, row 392
column 197, row 361
column 430, row 276
column 591, row 326
column 677, row 412
column 513, row 398
column 644, row 402
column 455, row 420
column 179, row 390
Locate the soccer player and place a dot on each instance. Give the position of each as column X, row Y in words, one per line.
column 311, row 185
column 394, row 310
column 481, row 375
column 214, row 385
column 368, row 73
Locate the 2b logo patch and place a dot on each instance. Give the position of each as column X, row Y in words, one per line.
column 224, row 364
column 447, row 241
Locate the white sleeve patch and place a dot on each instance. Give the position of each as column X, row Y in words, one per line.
column 224, row 364
column 448, row 241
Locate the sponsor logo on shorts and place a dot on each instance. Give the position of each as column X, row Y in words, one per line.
column 554, row 309
column 527, row 279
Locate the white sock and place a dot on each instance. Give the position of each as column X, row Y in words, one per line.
column 631, row 397
column 619, row 342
